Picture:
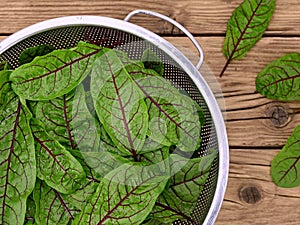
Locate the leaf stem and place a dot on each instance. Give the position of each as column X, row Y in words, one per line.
column 63, row 204
column 225, row 67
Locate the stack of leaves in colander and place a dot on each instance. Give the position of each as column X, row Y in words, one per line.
column 89, row 136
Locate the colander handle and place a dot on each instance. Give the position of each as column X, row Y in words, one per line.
column 178, row 25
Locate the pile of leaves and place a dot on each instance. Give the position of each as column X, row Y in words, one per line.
column 89, row 136
column 280, row 80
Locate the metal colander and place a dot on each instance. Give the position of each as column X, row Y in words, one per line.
column 65, row 32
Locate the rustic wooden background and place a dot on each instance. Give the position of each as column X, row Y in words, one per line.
column 257, row 127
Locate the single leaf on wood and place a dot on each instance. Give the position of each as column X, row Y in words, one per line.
column 51, row 206
column 17, row 158
column 55, row 165
column 285, row 167
column 54, row 74
column 30, row 53
column 281, row 78
column 68, row 120
column 119, row 102
column 125, row 196
column 187, row 182
column 246, row 27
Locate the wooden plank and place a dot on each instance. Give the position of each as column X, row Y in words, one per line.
column 252, row 198
column 251, row 119
column 200, row 17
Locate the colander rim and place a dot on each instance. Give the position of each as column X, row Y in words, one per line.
column 176, row 55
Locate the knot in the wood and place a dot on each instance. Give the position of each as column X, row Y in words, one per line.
column 278, row 115
column 250, row 194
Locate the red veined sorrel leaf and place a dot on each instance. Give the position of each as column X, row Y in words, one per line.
column 119, row 103
column 246, row 27
column 285, row 168
column 125, row 196
column 17, row 158
column 54, row 74
column 173, row 117
column 30, row 53
column 55, row 165
column 96, row 165
column 4, row 84
column 180, row 198
column 68, row 120
column 51, row 207
column 152, row 61
column 281, row 78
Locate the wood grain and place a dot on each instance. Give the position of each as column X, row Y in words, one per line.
column 273, row 205
column 251, row 119
column 256, row 127
column 200, row 17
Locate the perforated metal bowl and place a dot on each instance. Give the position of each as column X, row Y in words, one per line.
column 65, row 32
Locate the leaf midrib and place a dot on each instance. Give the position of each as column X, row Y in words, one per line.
column 163, row 111
column 11, row 149
column 189, row 180
column 134, row 153
column 48, row 150
column 62, row 67
column 63, row 204
column 281, row 80
column 290, row 168
column 121, row 200
column 67, row 122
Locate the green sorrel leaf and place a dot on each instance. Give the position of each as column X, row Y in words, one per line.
column 152, row 61
column 17, row 158
column 154, row 222
column 173, row 117
column 285, row 167
column 68, row 120
column 119, row 102
column 88, row 186
column 4, row 65
column 29, row 54
column 51, row 206
column 281, row 78
column 246, row 27
column 54, row 74
column 125, row 196
column 30, row 209
column 96, row 165
column 187, row 182
column 4, row 85
column 55, row 165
